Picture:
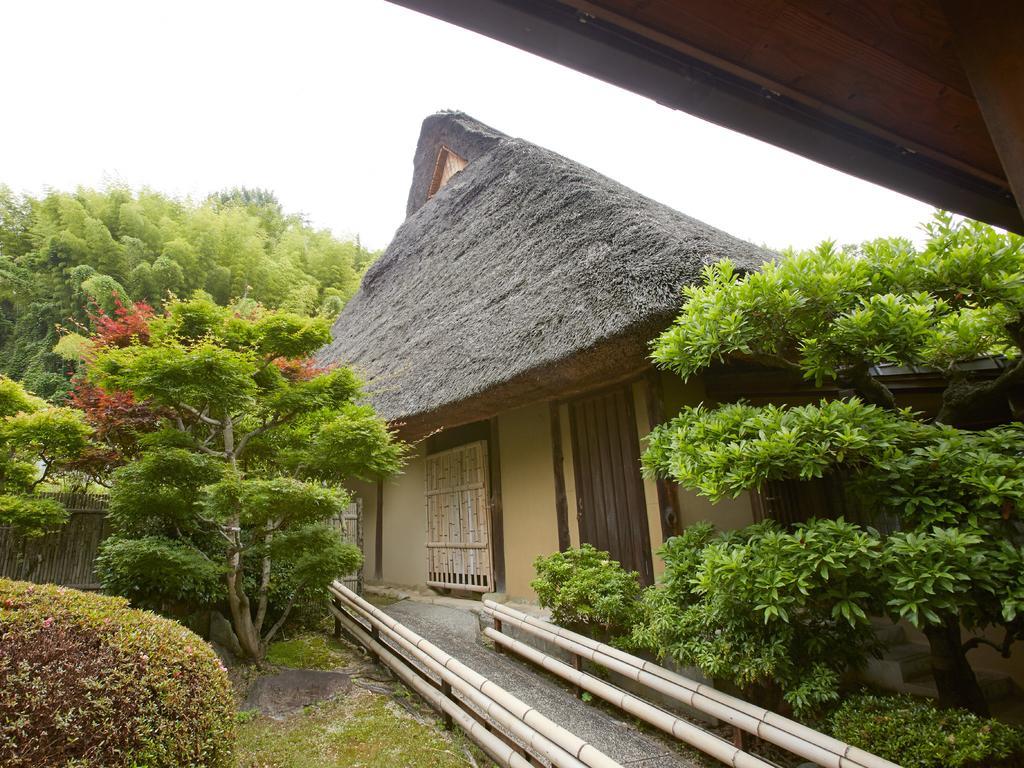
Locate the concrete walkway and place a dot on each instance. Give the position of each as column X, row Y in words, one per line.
column 456, row 630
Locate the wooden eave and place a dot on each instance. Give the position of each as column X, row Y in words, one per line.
column 870, row 87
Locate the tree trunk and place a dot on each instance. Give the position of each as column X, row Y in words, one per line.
column 957, row 684
column 241, row 618
column 241, row 612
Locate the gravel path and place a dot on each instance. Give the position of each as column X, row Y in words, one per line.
column 457, row 631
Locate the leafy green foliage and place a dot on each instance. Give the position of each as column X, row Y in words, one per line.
column 31, row 515
column 38, row 443
column 88, row 682
column 244, row 477
column 941, row 476
column 65, row 256
column 587, row 591
column 831, row 313
column 943, row 572
column 160, row 573
column 915, row 734
column 777, row 613
column 834, row 316
column 723, row 451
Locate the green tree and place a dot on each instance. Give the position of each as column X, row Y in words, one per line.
column 63, row 256
column 838, row 317
column 38, row 443
column 234, row 496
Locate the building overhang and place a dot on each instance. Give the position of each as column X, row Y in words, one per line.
column 886, row 118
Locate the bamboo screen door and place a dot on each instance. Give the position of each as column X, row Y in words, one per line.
column 458, row 517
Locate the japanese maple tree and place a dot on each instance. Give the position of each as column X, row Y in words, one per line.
column 232, row 497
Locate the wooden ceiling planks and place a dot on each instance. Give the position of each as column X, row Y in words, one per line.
column 886, row 67
column 873, row 88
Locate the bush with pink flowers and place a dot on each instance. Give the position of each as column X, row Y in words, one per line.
column 87, row 681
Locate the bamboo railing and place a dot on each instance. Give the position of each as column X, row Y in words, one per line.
column 798, row 739
column 510, row 731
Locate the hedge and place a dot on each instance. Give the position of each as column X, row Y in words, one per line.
column 87, row 681
column 916, row 734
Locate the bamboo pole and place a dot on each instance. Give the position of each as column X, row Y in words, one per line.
column 492, row 709
column 552, row 732
column 773, row 728
column 496, row 749
column 681, row 729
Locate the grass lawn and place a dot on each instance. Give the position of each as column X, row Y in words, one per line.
column 362, row 728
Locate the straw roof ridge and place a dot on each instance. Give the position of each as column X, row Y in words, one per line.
column 523, row 261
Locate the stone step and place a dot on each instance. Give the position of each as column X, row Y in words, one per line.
column 994, row 686
column 889, row 632
column 899, row 663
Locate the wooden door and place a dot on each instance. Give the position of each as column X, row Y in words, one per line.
column 610, row 503
column 458, row 519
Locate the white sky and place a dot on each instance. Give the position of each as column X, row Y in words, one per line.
column 321, row 101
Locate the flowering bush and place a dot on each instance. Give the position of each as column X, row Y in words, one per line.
column 87, row 681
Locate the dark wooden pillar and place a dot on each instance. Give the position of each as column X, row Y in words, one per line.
column 497, row 512
column 668, row 498
column 989, row 39
column 378, row 544
column 561, row 499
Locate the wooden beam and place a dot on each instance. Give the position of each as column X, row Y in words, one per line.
column 497, row 511
column 561, row 499
column 378, row 545
column 668, row 498
column 627, row 59
column 988, row 37
column 847, row 46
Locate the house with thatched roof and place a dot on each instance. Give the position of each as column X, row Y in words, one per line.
column 505, row 331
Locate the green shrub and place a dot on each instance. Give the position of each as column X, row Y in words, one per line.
column 587, row 591
column 86, row 681
column 779, row 614
column 916, row 734
column 159, row 573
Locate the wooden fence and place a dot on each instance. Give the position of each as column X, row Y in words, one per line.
column 350, row 523
column 67, row 556
column 63, row 557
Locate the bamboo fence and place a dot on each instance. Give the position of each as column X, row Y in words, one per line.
column 65, row 556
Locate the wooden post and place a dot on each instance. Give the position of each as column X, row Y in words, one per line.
column 337, row 621
column 378, row 545
column 497, row 628
column 446, row 689
column 497, row 511
column 668, row 499
column 577, row 663
column 561, row 500
column 739, row 738
column 988, row 38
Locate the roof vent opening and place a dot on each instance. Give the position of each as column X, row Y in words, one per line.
column 447, row 165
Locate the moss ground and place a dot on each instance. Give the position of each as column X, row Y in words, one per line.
column 314, row 650
column 364, row 729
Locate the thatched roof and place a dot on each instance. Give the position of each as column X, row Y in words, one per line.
column 526, row 277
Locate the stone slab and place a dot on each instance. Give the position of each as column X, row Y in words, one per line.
column 289, row 690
